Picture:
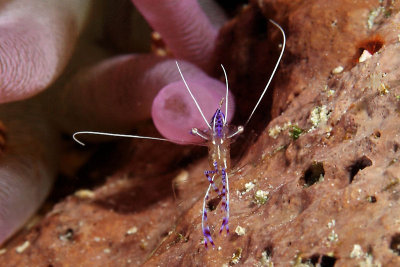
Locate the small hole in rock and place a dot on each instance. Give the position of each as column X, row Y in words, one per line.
column 377, row 134
column 371, row 199
column 360, row 164
column 372, row 45
column 213, row 203
column 313, row 260
column 268, row 250
column 395, row 244
column 327, row 261
column 164, row 234
column 313, row 174
column 370, row 249
column 68, row 235
column 395, row 147
column 320, row 260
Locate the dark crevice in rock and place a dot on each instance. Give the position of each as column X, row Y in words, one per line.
column 320, row 260
column 395, row 244
column 312, row 260
column 372, row 199
column 213, row 203
column 372, row 45
column 395, row 147
column 327, row 261
column 313, row 174
column 358, row 165
column 68, row 235
column 377, row 134
column 269, row 250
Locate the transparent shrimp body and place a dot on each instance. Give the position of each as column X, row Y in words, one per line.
column 218, row 141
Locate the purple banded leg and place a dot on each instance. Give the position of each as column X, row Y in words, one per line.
column 204, row 225
column 211, row 180
column 225, row 201
column 223, row 192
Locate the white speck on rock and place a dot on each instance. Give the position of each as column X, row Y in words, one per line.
column 364, row 56
column 337, row 70
column 132, row 230
column 22, row 247
column 357, row 252
column 240, row 230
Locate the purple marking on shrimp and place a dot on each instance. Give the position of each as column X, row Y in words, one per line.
column 207, row 174
column 223, row 194
column 207, row 235
column 217, row 122
column 206, row 229
column 224, row 224
column 225, row 203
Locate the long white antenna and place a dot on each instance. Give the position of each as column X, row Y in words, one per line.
column 117, row 135
column 226, row 97
column 273, row 72
column 194, row 99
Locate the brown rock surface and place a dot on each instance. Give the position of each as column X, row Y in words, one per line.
column 333, row 192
